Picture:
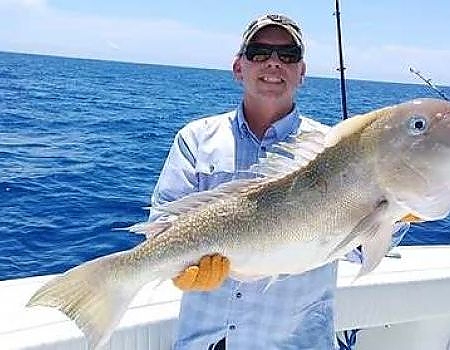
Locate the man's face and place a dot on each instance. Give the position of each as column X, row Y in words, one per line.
column 270, row 79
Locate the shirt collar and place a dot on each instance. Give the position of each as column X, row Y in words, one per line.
column 279, row 130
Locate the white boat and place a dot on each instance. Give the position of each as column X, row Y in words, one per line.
column 403, row 304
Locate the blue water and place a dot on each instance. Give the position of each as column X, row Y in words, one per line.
column 82, row 143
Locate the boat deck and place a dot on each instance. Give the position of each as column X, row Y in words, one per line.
column 403, row 304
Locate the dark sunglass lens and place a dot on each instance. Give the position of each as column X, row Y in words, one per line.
column 289, row 55
column 258, row 53
column 288, row 58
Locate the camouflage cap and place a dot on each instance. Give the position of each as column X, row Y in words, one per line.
column 272, row 20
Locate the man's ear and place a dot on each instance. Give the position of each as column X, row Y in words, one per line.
column 237, row 68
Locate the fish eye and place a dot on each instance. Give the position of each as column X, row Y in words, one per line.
column 418, row 125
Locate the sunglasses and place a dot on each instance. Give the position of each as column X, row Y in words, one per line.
column 256, row 52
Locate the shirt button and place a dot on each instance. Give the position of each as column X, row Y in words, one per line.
column 238, row 295
column 232, row 327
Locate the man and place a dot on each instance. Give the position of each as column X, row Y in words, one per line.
column 296, row 312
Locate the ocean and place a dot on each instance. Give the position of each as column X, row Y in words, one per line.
column 82, row 143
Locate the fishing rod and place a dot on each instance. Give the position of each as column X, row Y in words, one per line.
column 341, row 68
column 429, row 83
column 350, row 335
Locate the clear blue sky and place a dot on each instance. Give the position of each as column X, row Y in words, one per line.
column 382, row 38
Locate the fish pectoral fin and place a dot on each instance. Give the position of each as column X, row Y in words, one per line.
column 374, row 232
column 367, row 227
column 375, row 247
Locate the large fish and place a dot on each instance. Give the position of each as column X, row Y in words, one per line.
column 366, row 173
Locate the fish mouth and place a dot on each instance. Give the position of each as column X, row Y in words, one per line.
column 433, row 205
column 430, row 198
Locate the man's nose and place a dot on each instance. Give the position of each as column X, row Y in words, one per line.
column 273, row 60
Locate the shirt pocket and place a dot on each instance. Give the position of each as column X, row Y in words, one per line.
column 212, row 173
column 210, row 181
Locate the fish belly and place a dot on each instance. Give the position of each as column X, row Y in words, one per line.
column 289, row 258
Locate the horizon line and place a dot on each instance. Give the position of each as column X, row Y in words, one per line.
column 319, row 76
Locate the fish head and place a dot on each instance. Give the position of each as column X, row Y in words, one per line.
column 412, row 156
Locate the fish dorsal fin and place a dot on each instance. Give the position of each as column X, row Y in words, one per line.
column 291, row 154
column 198, row 199
column 173, row 210
column 282, row 158
column 351, row 126
column 298, row 151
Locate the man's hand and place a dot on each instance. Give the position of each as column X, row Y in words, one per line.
column 210, row 273
column 411, row 218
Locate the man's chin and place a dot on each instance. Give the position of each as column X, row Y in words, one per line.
column 274, row 94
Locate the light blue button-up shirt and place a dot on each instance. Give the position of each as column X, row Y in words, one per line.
column 296, row 312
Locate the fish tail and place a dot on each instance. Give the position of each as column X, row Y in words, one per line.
column 95, row 295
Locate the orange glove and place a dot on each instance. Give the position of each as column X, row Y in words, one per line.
column 411, row 218
column 210, row 273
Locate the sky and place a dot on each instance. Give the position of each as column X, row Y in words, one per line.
column 381, row 38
